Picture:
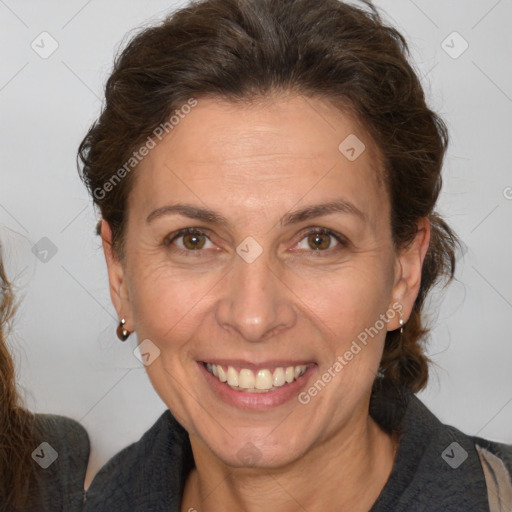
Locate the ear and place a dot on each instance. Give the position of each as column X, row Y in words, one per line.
column 408, row 269
column 116, row 276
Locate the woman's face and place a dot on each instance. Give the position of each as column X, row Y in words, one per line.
column 289, row 264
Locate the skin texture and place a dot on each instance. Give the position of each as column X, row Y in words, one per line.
column 253, row 164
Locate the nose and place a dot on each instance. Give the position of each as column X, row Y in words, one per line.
column 255, row 303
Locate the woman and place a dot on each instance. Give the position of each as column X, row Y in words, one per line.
column 43, row 457
column 266, row 173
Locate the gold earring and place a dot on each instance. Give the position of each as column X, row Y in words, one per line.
column 401, row 322
column 121, row 332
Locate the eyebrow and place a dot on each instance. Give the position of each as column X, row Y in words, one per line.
column 212, row 217
column 319, row 210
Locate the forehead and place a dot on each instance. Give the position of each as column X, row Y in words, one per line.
column 267, row 154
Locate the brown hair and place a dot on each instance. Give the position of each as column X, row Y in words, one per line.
column 17, row 435
column 239, row 50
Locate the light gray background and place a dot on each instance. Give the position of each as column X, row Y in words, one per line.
column 68, row 358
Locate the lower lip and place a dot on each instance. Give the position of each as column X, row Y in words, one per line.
column 246, row 400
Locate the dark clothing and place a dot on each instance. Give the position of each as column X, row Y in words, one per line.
column 437, row 468
column 59, row 462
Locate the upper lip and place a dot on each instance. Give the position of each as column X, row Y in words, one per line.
column 251, row 365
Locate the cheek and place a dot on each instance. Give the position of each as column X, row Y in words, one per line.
column 166, row 310
column 166, row 303
column 347, row 306
column 348, row 300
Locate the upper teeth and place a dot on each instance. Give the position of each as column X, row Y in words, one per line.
column 263, row 379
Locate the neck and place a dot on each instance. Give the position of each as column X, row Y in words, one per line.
column 347, row 473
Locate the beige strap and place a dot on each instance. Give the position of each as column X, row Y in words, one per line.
column 498, row 480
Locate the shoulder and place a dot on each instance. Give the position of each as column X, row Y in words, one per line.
column 438, row 467
column 64, row 440
column 146, row 475
column 62, row 431
column 496, row 461
column 474, row 467
column 500, row 450
column 60, row 462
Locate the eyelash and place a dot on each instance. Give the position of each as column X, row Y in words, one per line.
column 342, row 241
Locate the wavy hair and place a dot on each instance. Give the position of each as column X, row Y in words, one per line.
column 17, row 433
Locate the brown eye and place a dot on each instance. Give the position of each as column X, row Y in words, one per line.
column 193, row 241
column 190, row 240
column 320, row 240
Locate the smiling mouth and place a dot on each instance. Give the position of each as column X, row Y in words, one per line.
column 259, row 381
